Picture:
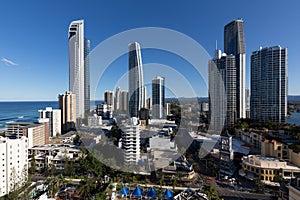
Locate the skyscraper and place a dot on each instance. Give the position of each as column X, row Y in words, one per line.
column 124, row 101
column 87, row 106
column 222, row 91
column 158, row 97
column 234, row 43
column 79, row 67
column 144, row 96
column 109, row 98
column 67, row 105
column 136, row 80
column 117, row 99
column 269, row 84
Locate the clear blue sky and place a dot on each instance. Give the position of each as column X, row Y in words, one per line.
column 33, row 42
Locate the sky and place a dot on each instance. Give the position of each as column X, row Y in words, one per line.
column 34, row 38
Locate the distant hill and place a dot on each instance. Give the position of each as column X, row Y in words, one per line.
column 186, row 99
column 293, row 98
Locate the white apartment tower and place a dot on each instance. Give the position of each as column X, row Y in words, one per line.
column 79, row 49
column 131, row 141
column 54, row 116
column 14, row 164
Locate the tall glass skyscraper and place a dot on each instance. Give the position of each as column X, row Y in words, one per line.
column 136, row 80
column 269, row 84
column 222, row 91
column 234, row 43
column 87, row 75
column 79, row 67
column 158, row 97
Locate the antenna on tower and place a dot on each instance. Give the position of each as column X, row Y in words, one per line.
column 216, row 44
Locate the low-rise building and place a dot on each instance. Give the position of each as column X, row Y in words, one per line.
column 253, row 138
column 294, row 189
column 268, row 169
column 280, row 150
column 161, row 142
column 274, row 148
column 94, row 121
column 180, row 166
column 54, row 156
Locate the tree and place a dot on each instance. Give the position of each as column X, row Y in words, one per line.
column 244, row 126
column 76, row 139
column 33, row 167
column 87, row 188
column 211, row 192
column 60, row 180
column 14, row 184
column 52, row 186
column 174, row 183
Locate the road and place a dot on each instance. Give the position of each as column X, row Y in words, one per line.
column 234, row 194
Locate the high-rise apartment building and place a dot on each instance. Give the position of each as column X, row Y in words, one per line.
column 248, row 103
column 158, row 97
column 14, row 164
column 54, row 116
column 222, row 91
column 124, row 101
column 136, row 80
column 149, row 103
column 117, row 98
column 234, row 43
column 79, row 67
column 46, row 123
column 67, row 105
column 131, row 141
column 36, row 133
column 269, row 84
column 109, row 98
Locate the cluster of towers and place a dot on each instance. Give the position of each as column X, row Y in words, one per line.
column 134, row 101
column 228, row 95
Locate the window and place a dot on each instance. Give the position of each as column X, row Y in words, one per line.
column 279, row 148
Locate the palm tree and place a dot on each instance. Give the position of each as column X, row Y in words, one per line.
column 52, row 186
column 60, row 180
column 174, row 183
column 87, row 187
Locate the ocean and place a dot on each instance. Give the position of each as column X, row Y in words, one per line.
column 294, row 118
column 25, row 111
column 22, row 111
column 28, row 111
